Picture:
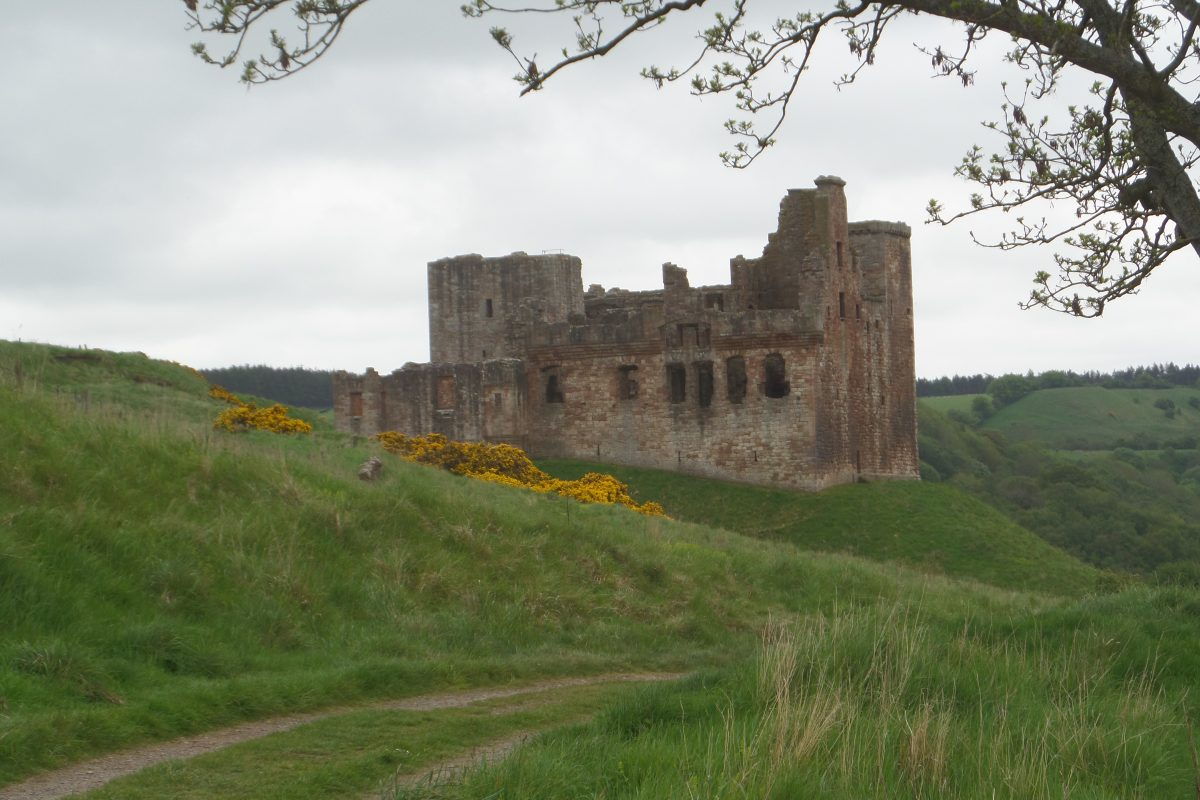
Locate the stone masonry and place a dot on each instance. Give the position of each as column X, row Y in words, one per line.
column 798, row 373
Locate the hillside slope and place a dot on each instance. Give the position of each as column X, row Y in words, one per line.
column 931, row 526
column 157, row 577
column 1093, row 418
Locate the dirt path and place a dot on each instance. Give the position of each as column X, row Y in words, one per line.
column 453, row 768
column 88, row 775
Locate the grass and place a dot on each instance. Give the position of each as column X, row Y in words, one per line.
column 1093, row 418
column 901, row 700
column 158, row 578
column 356, row 753
column 951, row 402
column 932, row 527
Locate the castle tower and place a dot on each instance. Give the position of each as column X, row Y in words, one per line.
column 484, row 308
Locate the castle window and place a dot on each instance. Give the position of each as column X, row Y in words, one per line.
column 356, row 404
column 487, row 306
column 775, row 382
column 689, row 334
column 735, row 379
column 677, row 382
column 857, row 311
column 554, row 392
column 714, row 301
column 704, row 383
column 841, row 305
column 840, row 258
column 445, row 392
column 627, row 388
column 497, row 400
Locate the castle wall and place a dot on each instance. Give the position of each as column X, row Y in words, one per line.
column 797, row 373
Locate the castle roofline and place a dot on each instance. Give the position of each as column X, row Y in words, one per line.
column 880, row 226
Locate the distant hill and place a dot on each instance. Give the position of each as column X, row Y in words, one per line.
column 1124, row 509
column 293, row 386
column 1092, row 418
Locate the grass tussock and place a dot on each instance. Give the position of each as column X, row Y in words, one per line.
column 896, row 700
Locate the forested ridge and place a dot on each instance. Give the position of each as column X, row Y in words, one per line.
column 1155, row 376
column 295, row 386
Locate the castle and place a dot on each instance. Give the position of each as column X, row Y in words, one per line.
column 798, row 373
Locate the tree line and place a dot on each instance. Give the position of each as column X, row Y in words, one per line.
column 1155, row 376
column 293, row 386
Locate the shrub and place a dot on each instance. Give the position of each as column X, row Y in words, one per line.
column 509, row 466
column 224, row 395
column 245, row 416
column 982, row 408
column 272, row 418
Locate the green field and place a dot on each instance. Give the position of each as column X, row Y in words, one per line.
column 951, row 402
column 158, row 578
column 1093, row 418
column 932, row 527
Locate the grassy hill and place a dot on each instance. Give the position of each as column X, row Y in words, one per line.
column 1093, row 418
column 933, row 527
column 160, row 578
column 951, row 402
column 1133, row 511
column 157, row 577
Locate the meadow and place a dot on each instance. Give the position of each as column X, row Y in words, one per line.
column 159, row 578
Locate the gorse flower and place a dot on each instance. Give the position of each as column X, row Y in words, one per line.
column 509, row 466
column 244, row 416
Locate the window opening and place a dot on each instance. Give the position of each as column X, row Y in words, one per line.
column 677, row 382
column 735, row 379
column 554, row 392
column 445, row 392
column 627, row 388
column 775, row 382
column 487, row 306
column 704, row 383
column 841, row 305
column 498, row 400
column 840, row 262
column 714, row 301
column 356, row 404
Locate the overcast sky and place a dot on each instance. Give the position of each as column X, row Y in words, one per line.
column 150, row 202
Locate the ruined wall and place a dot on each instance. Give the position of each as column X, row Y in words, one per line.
column 797, row 373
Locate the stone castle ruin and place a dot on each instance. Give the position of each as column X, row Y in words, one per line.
column 798, row 373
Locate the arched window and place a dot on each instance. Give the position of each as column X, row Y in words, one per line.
column 775, row 383
column 554, row 392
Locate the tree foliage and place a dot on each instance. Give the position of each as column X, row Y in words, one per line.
column 1122, row 160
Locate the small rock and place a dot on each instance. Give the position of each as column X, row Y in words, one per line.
column 370, row 469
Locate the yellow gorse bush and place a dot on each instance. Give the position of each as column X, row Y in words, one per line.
column 224, row 395
column 509, row 466
column 244, row 416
